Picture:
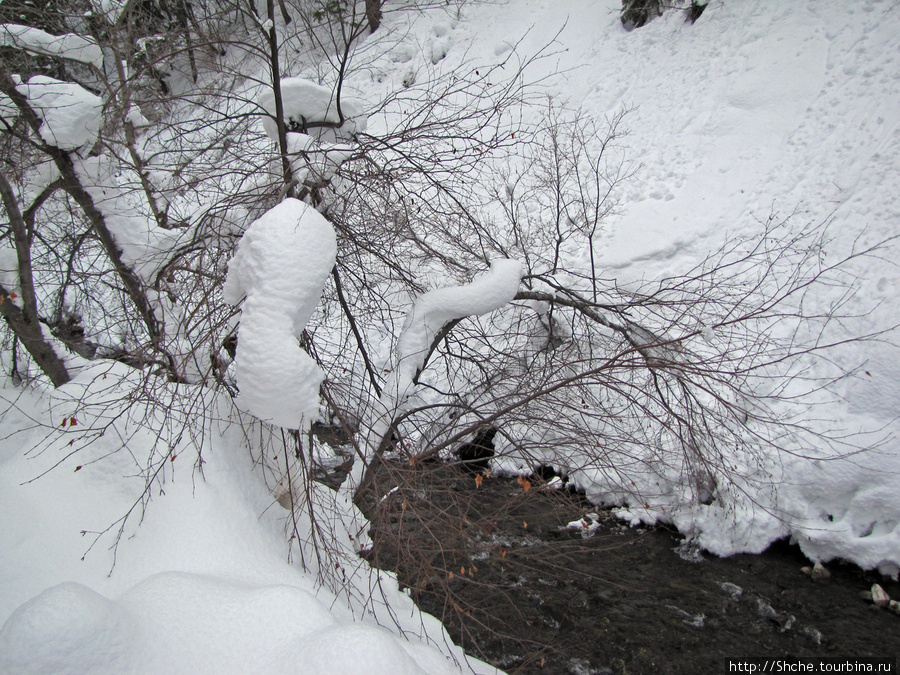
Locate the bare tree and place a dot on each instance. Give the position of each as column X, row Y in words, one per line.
column 678, row 376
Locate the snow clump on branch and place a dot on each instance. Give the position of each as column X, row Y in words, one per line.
column 433, row 310
column 71, row 115
column 280, row 267
column 306, row 102
column 68, row 46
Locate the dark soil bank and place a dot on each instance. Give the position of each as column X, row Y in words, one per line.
column 516, row 588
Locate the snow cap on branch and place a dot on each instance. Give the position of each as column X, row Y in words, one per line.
column 487, row 292
column 430, row 312
column 280, row 267
column 308, row 102
column 36, row 41
column 71, row 114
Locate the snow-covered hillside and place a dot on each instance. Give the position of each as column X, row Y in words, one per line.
column 757, row 114
column 760, row 113
column 758, row 110
column 766, row 110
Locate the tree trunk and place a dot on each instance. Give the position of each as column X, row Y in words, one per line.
column 286, row 169
column 373, row 14
column 24, row 321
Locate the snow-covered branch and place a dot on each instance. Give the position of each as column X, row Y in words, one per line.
column 69, row 46
column 429, row 314
column 278, row 270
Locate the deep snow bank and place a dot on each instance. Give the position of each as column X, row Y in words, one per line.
column 200, row 581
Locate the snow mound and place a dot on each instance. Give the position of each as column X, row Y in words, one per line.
column 177, row 622
column 70, row 113
column 280, row 266
column 306, row 102
column 68, row 629
column 362, row 649
column 201, row 581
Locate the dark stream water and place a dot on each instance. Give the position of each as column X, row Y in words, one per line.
column 519, row 590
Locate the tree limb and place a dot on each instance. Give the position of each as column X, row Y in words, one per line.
column 71, row 183
column 24, row 321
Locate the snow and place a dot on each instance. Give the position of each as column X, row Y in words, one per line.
column 486, row 293
column 586, row 525
column 136, row 117
column 200, row 580
column 430, row 312
column 279, row 269
column 363, row 650
column 8, row 110
column 9, row 267
column 757, row 111
column 304, row 101
column 71, row 114
column 110, row 10
column 757, row 108
column 68, row 629
column 68, row 46
column 143, row 246
column 315, row 161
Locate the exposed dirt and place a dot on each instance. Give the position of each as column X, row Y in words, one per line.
column 518, row 589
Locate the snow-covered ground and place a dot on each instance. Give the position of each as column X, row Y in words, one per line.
column 759, row 108
column 201, row 579
column 758, row 113
column 765, row 108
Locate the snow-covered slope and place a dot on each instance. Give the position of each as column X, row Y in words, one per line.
column 758, row 111
column 199, row 578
